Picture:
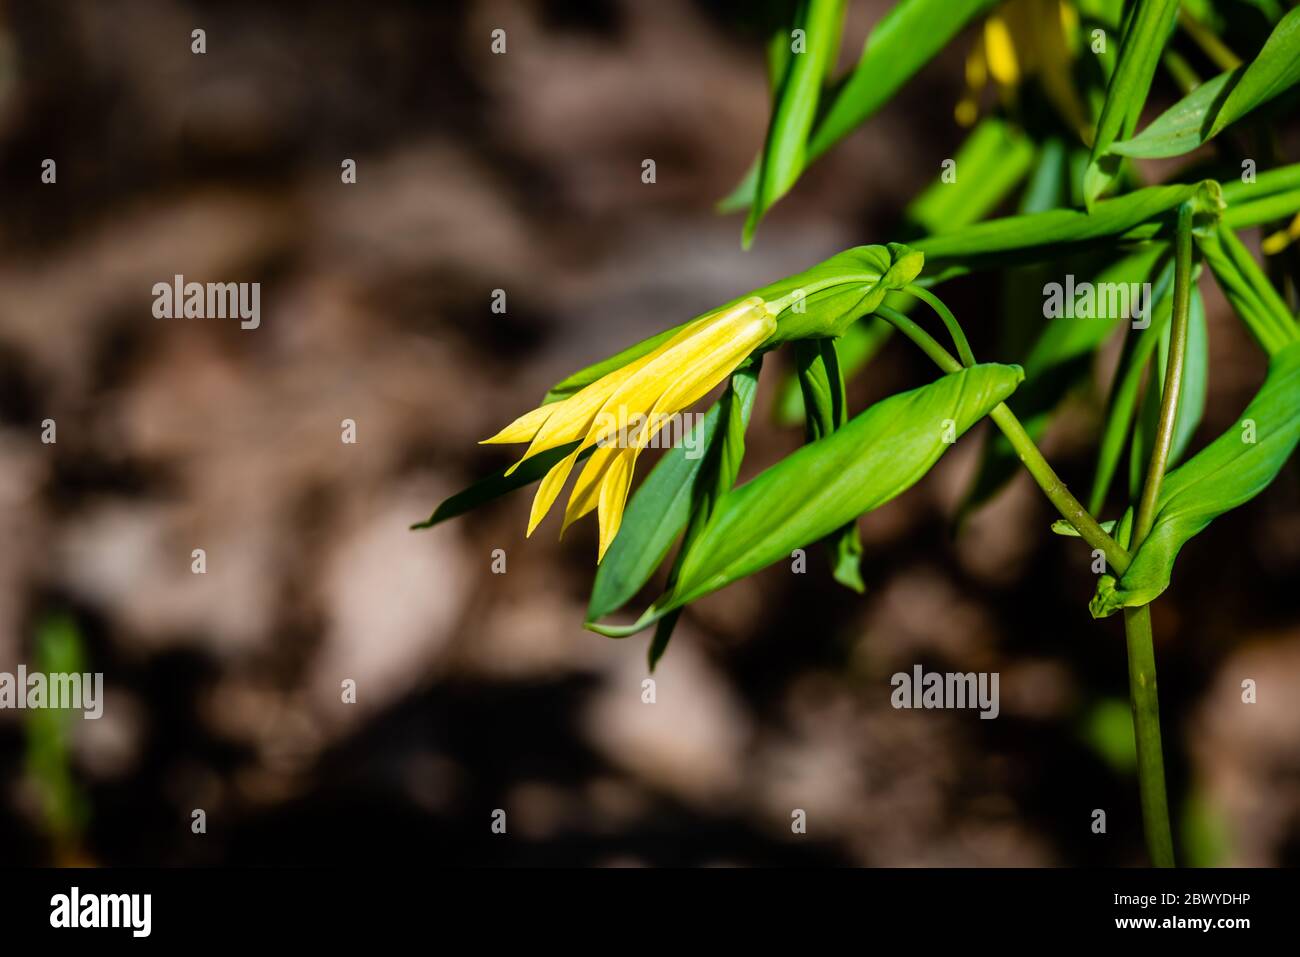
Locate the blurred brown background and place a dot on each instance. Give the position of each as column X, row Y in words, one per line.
column 478, row 691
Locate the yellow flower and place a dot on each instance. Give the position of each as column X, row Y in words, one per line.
column 1027, row 38
column 621, row 412
column 1274, row 244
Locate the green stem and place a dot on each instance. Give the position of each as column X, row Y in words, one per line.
column 1210, row 45
column 1146, row 730
column 954, row 327
column 1137, row 621
column 1164, row 440
column 1058, row 494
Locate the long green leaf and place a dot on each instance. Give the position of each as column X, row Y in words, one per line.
column 498, row 484
column 716, row 478
column 874, row 457
column 1223, row 100
column 905, row 39
column 1227, row 473
column 1059, row 361
column 857, row 347
column 1122, row 404
column 660, row 507
column 1191, row 397
column 1140, row 215
column 991, row 161
column 1246, row 287
column 1276, row 69
column 795, row 106
column 1146, row 28
column 826, row 409
column 1182, row 127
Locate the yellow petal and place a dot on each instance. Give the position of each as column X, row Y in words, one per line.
column 613, row 496
column 586, row 490
column 703, row 370
column 573, row 417
column 550, row 489
column 1069, row 19
column 524, row 428
column 1278, row 241
column 1001, row 52
column 670, row 377
column 719, row 342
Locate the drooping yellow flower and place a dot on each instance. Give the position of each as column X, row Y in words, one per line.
column 622, row 411
column 1023, row 39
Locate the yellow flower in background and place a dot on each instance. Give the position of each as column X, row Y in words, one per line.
column 1280, row 240
column 645, row 394
column 1024, row 39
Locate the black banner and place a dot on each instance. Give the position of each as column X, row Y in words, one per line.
column 331, row 906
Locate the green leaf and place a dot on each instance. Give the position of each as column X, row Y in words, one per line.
column 985, row 179
column 905, row 39
column 825, row 404
column 1227, row 473
column 1196, row 376
column 498, row 484
column 857, row 347
column 1277, row 68
column 1273, row 182
column 1246, row 287
column 1146, row 28
column 846, row 558
column 742, row 196
column 1191, row 398
column 992, row 160
column 1065, row 529
column 1140, row 215
column 874, row 457
column 1180, row 129
column 795, row 106
column 716, row 478
column 871, row 459
column 1138, row 347
column 1221, row 101
column 1059, row 361
column 660, row 507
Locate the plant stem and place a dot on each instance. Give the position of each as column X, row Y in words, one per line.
column 1137, row 621
column 1146, row 731
column 1210, row 45
column 1058, row 494
column 1164, row 440
column 954, row 327
column 1071, row 509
